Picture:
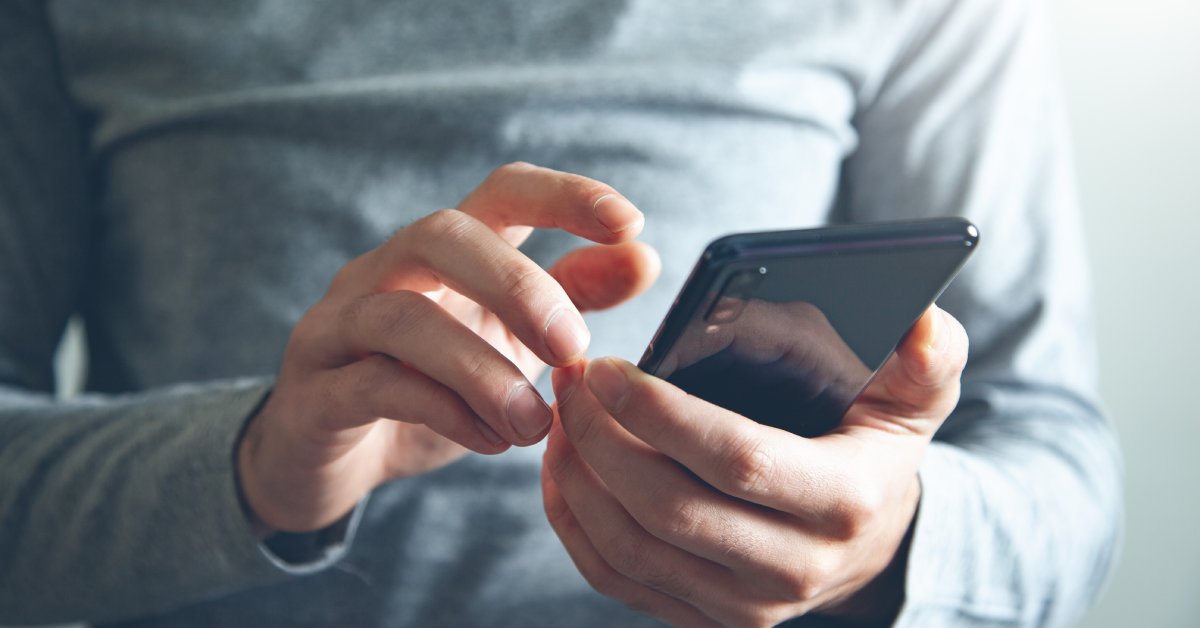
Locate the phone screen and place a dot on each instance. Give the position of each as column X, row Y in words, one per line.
column 790, row 338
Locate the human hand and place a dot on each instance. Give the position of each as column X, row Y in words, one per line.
column 696, row 515
column 427, row 345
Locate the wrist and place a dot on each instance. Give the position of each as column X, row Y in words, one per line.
column 247, row 445
column 879, row 602
column 291, row 482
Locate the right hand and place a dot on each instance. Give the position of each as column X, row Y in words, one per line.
column 428, row 345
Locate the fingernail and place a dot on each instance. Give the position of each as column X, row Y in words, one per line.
column 608, row 383
column 565, row 381
column 488, row 433
column 937, row 335
column 566, row 335
column 527, row 413
column 616, row 213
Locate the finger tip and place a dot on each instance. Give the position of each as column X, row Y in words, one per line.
column 618, row 216
column 647, row 264
column 535, row 439
column 567, row 337
column 933, row 324
column 564, row 379
column 530, row 442
column 498, row 449
column 925, row 332
column 491, row 448
column 935, row 350
column 623, row 365
column 653, row 259
column 608, row 380
column 589, row 372
column 946, row 334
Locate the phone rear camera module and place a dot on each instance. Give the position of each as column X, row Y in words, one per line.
column 738, row 290
column 744, row 283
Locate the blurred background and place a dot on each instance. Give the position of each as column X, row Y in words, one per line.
column 1132, row 76
column 1131, row 73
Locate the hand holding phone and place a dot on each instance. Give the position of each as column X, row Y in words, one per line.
column 680, row 506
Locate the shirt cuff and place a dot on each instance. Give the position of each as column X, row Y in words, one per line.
column 308, row 552
column 294, row 553
column 951, row 556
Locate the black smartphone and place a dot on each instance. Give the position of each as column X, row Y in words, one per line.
column 788, row 327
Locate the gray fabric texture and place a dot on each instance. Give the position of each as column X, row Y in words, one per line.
column 188, row 175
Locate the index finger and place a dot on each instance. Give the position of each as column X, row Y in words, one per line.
column 511, row 202
column 519, row 195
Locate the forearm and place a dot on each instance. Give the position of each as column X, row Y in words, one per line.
column 1019, row 518
column 116, row 507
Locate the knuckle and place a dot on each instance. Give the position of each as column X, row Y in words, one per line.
column 627, row 556
column 521, row 281
column 859, row 506
column 511, row 169
column 345, row 276
column 800, row 587
column 354, row 313
column 815, row 579
column 503, row 175
column 442, row 225
column 678, row 518
column 388, row 314
column 748, row 465
column 474, row 366
column 483, row 383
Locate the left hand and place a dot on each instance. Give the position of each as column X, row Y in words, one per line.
column 699, row 516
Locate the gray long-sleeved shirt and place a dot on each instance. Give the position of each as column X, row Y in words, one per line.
column 188, row 176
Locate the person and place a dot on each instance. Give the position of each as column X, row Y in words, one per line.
column 291, row 348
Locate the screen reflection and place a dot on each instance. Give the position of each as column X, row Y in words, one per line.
column 781, row 364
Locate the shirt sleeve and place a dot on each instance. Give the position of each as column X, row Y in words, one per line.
column 110, row 506
column 1019, row 516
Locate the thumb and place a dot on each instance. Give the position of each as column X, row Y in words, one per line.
column 599, row 277
column 919, row 385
